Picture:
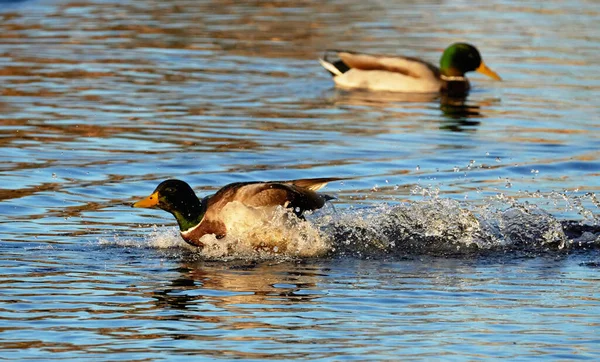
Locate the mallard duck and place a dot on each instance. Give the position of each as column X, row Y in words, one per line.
column 353, row 70
column 197, row 218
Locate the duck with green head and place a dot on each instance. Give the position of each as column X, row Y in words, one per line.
column 351, row 70
column 197, row 218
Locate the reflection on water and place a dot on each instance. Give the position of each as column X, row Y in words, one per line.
column 277, row 284
column 458, row 113
column 465, row 222
column 460, row 116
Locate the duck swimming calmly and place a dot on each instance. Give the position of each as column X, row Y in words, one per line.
column 212, row 215
column 353, row 70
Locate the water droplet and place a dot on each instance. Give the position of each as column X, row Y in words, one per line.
column 456, row 169
column 53, row 175
column 498, row 159
column 418, row 168
column 487, row 153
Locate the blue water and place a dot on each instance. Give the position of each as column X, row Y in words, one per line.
column 466, row 229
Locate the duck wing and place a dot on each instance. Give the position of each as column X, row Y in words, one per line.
column 299, row 194
column 411, row 67
column 313, row 184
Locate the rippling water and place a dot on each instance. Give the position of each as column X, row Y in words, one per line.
column 467, row 228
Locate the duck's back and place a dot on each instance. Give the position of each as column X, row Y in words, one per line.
column 384, row 73
column 300, row 195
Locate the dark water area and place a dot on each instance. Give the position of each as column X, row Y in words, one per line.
column 466, row 228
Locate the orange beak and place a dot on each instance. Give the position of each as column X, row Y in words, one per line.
column 483, row 69
column 148, row 202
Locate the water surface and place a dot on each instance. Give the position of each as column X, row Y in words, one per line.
column 467, row 228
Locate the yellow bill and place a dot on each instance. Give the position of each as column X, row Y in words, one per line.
column 149, row 201
column 483, row 69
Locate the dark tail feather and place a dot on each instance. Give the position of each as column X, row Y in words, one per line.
column 334, row 65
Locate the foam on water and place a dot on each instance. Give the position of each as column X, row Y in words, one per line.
column 157, row 238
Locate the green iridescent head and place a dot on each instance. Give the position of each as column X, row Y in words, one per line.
column 177, row 198
column 460, row 58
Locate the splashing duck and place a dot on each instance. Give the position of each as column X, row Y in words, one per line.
column 211, row 215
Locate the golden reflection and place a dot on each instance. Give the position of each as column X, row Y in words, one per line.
column 233, row 285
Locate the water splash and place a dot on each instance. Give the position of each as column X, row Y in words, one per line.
column 449, row 227
column 433, row 225
column 157, row 238
column 263, row 234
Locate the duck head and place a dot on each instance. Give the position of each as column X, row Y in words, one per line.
column 460, row 58
column 177, row 198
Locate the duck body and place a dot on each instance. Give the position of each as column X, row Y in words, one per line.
column 383, row 73
column 352, row 70
column 212, row 214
